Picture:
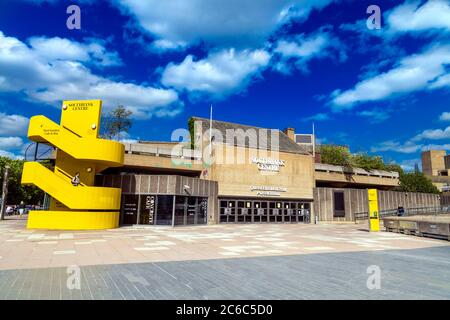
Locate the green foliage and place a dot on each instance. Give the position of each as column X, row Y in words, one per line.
column 336, row 155
column 116, row 122
column 394, row 167
column 416, row 182
column 409, row 182
column 16, row 191
column 367, row 162
column 191, row 126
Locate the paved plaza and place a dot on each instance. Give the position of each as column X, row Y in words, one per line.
column 266, row 261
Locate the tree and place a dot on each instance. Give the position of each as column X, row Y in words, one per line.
column 336, row 155
column 394, row 167
column 16, row 191
column 416, row 182
column 367, row 162
column 116, row 123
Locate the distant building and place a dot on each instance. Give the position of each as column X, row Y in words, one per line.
column 436, row 166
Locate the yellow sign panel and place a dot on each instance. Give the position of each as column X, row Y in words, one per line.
column 76, row 203
column 374, row 215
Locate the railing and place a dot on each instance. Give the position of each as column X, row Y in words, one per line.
column 323, row 167
column 407, row 212
column 141, row 148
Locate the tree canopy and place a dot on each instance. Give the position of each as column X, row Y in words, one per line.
column 416, row 182
column 16, row 191
column 116, row 123
column 409, row 182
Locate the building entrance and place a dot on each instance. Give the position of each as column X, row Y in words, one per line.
column 263, row 211
column 163, row 210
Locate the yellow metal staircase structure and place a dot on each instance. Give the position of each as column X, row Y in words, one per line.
column 79, row 152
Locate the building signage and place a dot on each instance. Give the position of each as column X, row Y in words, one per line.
column 268, row 191
column 150, row 206
column 268, row 164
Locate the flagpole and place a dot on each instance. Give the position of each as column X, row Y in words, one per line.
column 314, row 141
column 210, row 130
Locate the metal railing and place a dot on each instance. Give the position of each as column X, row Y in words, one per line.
column 141, row 148
column 407, row 212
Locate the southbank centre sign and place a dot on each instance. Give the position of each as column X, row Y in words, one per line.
column 268, row 164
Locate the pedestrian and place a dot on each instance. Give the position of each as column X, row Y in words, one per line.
column 76, row 179
column 21, row 208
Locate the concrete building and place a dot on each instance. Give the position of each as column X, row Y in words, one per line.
column 242, row 174
column 215, row 172
column 436, row 166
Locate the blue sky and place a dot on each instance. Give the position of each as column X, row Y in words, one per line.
column 275, row 64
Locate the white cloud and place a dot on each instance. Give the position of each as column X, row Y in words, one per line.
column 10, row 142
column 445, row 116
column 302, row 48
column 412, row 17
column 412, row 73
column 317, row 117
column 390, row 145
column 375, row 115
column 7, row 154
column 219, row 74
column 225, row 23
column 416, row 143
column 433, row 134
column 57, row 48
column 36, row 73
column 13, row 124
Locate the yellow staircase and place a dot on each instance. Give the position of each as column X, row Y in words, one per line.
column 79, row 151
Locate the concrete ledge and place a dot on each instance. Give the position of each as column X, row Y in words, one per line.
column 424, row 226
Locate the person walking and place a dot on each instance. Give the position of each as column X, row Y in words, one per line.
column 76, row 179
column 21, row 208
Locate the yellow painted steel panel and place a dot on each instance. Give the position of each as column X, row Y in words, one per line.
column 374, row 216
column 81, row 154
column 73, row 220
column 76, row 198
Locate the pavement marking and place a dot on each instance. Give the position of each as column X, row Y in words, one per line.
column 318, row 248
column 47, row 242
column 151, row 248
column 60, row 252
column 15, row 240
column 229, row 253
column 36, row 236
column 66, row 236
column 269, row 251
column 83, row 242
column 160, row 243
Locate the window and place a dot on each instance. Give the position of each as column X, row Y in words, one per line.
column 339, row 204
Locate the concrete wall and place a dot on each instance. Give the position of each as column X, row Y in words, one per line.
column 445, row 199
column 236, row 178
column 356, row 202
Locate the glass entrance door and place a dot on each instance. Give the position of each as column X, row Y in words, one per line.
column 190, row 210
column 227, row 211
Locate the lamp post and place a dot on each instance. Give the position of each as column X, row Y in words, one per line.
column 4, row 193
